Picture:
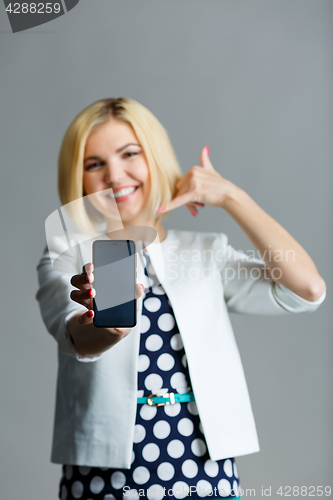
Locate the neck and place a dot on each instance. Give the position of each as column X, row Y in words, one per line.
column 157, row 225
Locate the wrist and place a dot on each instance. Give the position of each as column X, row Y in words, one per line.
column 233, row 196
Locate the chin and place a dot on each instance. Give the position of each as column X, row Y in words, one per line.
column 128, row 217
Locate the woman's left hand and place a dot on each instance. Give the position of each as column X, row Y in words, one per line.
column 200, row 186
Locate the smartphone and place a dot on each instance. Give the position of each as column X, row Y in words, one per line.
column 115, row 273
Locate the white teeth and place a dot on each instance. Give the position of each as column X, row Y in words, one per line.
column 122, row 192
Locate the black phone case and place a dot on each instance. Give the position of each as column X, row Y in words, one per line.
column 134, row 278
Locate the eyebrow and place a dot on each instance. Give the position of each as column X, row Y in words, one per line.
column 117, row 151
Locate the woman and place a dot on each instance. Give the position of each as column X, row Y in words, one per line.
column 112, row 440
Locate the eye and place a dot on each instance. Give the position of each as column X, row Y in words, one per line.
column 94, row 165
column 129, row 154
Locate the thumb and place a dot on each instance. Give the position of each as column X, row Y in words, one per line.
column 204, row 159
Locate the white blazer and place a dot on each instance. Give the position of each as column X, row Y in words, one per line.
column 204, row 278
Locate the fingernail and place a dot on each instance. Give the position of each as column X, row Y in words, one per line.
column 160, row 209
column 89, row 292
column 142, row 286
column 207, row 150
column 90, row 314
column 88, row 277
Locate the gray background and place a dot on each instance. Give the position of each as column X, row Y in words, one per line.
column 250, row 79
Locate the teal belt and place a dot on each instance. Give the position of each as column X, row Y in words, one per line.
column 168, row 398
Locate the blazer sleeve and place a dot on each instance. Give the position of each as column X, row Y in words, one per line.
column 249, row 289
column 58, row 264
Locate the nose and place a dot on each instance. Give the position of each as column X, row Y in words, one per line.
column 114, row 172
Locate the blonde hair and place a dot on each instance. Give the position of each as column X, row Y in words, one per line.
column 161, row 159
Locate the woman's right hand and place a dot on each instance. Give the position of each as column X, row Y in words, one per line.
column 84, row 295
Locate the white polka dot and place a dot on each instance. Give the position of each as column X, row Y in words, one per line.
column 143, row 362
column 185, row 426
column 198, row 447
column 204, row 488
column 140, row 393
column 131, row 494
column 165, row 471
column 224, row 488
column 153, row 382
column 69, row 472
column 235, row 470
column 148, row 412
column 175, row 448
column 180, row 489
column 172, row 410
column 201, row 428
column 176, row 342
column 77, row 489
column 133, row 457
column 84, row 471
column 184, row 361
column 96, row 484
column 166, row 322
column 139, row 433
column 145, row 323
column 189, row 468
column 152, row 304
column 165, row 361
column 161, row 429
column 64, row 492
column 151, row 452
column 158, row 290
column 227, row 467
column 109, row 496
column 118, row 479
column 235, row 488
column 155, row 492
column 141, row 475
column 178, row 381
column 211, row 468
column 192, row 408
column 154, row 342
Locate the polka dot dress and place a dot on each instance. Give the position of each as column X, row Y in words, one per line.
column 170, row 457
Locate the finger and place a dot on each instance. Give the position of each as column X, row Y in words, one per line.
column 82, row 281
column 84, row 297
column 121, row 330
column 140, row 290
column 86, row 318
column 205, row 160
column 195, row 204
column 192, row 209
column 177, row 202
column 88, row 268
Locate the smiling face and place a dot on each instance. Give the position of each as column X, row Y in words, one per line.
column 114, row 159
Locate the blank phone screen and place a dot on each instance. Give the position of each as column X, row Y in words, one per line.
column 114, row 272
